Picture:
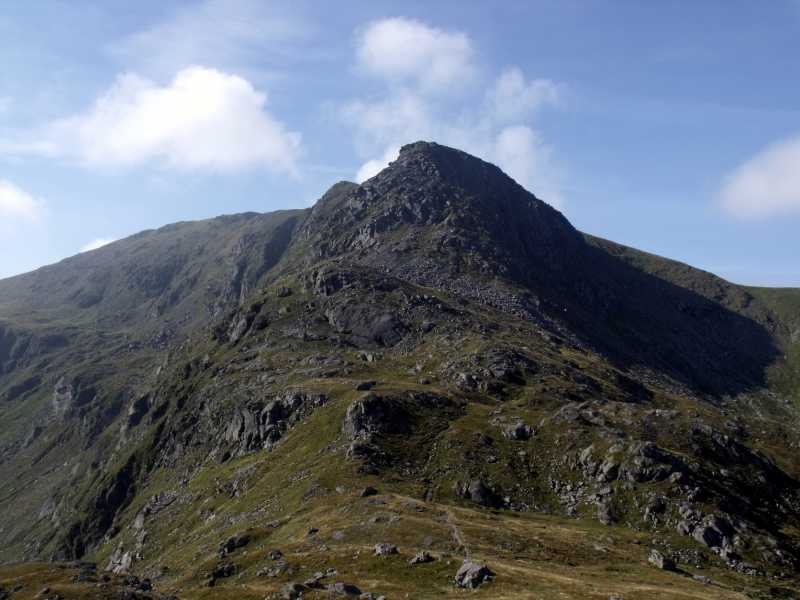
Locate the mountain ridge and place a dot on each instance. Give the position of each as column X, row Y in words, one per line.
column 419, row 332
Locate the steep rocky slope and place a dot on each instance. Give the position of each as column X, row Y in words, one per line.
column 80, row 342
column 206, row 405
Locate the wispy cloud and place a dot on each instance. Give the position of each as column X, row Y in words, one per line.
column 225, row 34
column 17, row 204
column 97, row 243
column 767, row 185
column 202, row 119
column 514, row 98
column 428, row 94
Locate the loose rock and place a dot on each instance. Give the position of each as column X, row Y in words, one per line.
column 518, row 431
column 472, row 575
column 233, row 543
column 368, row 491
column 421, row 558
column 479, row 493
column 293, row 590
column 385, row 549
column 661, row 561
column 346, row 589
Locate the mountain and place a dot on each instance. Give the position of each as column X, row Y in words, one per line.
column 434, row 363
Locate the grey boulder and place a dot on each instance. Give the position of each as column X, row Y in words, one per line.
column 472, row 575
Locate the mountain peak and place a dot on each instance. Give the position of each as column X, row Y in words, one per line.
column 436, row 152
column 440, row 204
column 431, row 149
column 432, row 160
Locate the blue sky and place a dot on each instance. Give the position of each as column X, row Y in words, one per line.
column 670, row 126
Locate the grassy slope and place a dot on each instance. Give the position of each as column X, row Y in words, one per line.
column 307, row 483
column 785, row 304
column 736, row 298
column 156, row 276
column 778, row 309
column 534, row 555
column 300, row 486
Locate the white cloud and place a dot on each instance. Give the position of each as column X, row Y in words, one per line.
column 522, row 154
column 408, row 51
column 98, row 243
column 768, row 185
column 401, row 115
column 226, row 34
column 513, row 98
column 15, row 203
column 373, row 167
column 498, row 127
column 203, row 119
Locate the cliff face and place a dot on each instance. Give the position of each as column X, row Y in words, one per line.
column 437, row 332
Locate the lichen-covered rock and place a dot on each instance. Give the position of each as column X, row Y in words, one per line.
column 120, row 561
column 368, row 491
column 367, row 322
column 343, row 589
column 233, row 543
column 660, row 561
column 713, row 531
column 385, row 549
column 258, row 426
column 605, row 512
column 472, row 575
column 223, row 570
column 421, row 557
column 293, row 591
column 478, row 492
column 374, row 414
column 63, row 397
column 518, row 431
column 647, row 462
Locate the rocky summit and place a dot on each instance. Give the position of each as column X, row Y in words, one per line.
column 429, row 385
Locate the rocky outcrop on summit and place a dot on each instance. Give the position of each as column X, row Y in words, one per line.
column 454, row 211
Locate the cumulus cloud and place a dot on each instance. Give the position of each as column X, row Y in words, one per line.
column 497, row 127
column 373, row 167
column 400, row 115
column 768, row 185
column 409, row 51
column 16, row 203
column 524, row 156
column 203, row 119
column 97, row 243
